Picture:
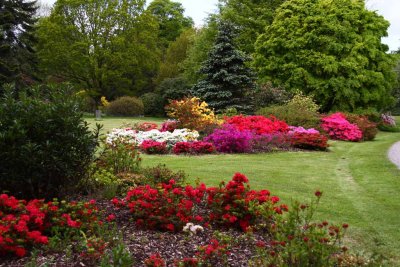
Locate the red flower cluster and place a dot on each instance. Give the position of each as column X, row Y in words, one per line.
column 154, row 147
column 187, row 262
column 231, row 204
column 338, row 127
column 211, row 251
column 146, row 126
column 258, row 124
column 309, row 141
column 154, row 260
column 25, row 224
column 167, row 208
column 169, row 126
column 197, row 147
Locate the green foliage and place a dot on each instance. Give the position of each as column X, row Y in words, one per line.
column 17, row 61
column 175, row 55
column 162, row 174
column 153, row 104
column 119, row 256
column 170, row 18
column 174, row 88
column 299, row 111
column 45, row 145
column 267, row 95
column 331, row 49
column 198, row 52
column 120, row 158
column 252, row 16
column 227, row 80
column 108, row 48
column 126, row 106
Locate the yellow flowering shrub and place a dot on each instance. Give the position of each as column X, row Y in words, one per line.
column 192, row 113
column 104, row 101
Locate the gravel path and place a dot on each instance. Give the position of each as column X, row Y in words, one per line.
column 394, row 154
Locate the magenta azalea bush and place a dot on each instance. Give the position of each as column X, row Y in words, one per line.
column 339, row 128
column 228, row 139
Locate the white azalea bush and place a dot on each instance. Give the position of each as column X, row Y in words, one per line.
column 129, row 136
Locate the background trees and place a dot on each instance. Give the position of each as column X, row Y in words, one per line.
column 331, row 49
column 227, row 80
column 17, row 61
column 106, row 47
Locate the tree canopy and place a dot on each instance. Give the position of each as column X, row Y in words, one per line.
column 106, row 47
column 331, row 49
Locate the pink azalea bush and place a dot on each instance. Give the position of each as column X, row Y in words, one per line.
column 339, row 128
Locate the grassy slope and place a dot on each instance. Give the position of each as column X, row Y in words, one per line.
column 360, row 185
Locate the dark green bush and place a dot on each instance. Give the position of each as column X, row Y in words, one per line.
column 174, row 88
column 45, row 145
column 126, row 106
column 153, row 104
column 267, row 95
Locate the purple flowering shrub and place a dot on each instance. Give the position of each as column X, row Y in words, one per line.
column 228, row 139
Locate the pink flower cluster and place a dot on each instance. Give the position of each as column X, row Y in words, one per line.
column 301, row 130
column 338, row 127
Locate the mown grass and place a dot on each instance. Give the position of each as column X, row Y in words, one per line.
column 115, row 122
column 360, row 185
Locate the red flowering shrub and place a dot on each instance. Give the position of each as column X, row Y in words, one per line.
column 187, row 262
column 169, row 126
column 258, row 124
column 313, row 141
column 202, row 147
column 25, row 224
column 369, row 129
column 233, row 204
column 211, row 254
column 154, row 260
column 146, row 126
column 182, row 148
column 154, row 147
column 197, row 147
column 168, row 207
column 338, row 127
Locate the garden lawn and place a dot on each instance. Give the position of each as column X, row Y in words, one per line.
column 360, row 185
column 110, row 123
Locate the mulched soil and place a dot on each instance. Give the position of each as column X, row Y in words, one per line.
column 143, row 243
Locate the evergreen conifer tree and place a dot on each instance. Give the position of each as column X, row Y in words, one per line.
column 16, row 41
column 227, row 81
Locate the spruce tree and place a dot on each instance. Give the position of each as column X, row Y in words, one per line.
column 16, row 41
column 227, row 81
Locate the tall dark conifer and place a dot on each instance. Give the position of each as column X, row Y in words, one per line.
column 228, row 82
column 17, row 58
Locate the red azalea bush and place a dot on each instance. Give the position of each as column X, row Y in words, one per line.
column 258, row 124
column 338, row 127
column 233, row 205
column 146, row 126
column 182, row 148
column 169, row 126
column 197, row 147
column 314, row 141
column 168, row 207
column 369, row 129
column 25, row 224
column 154, row 147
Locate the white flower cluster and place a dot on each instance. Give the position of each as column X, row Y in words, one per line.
column 194, row 229
column 129, row 136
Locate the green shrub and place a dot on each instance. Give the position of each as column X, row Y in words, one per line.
column 267, row 95
column 162, row 174
column 120, row 158
column 174, row 88
column 126, row 106
column 46, row 146
column 153, row 104
column 299, row 111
